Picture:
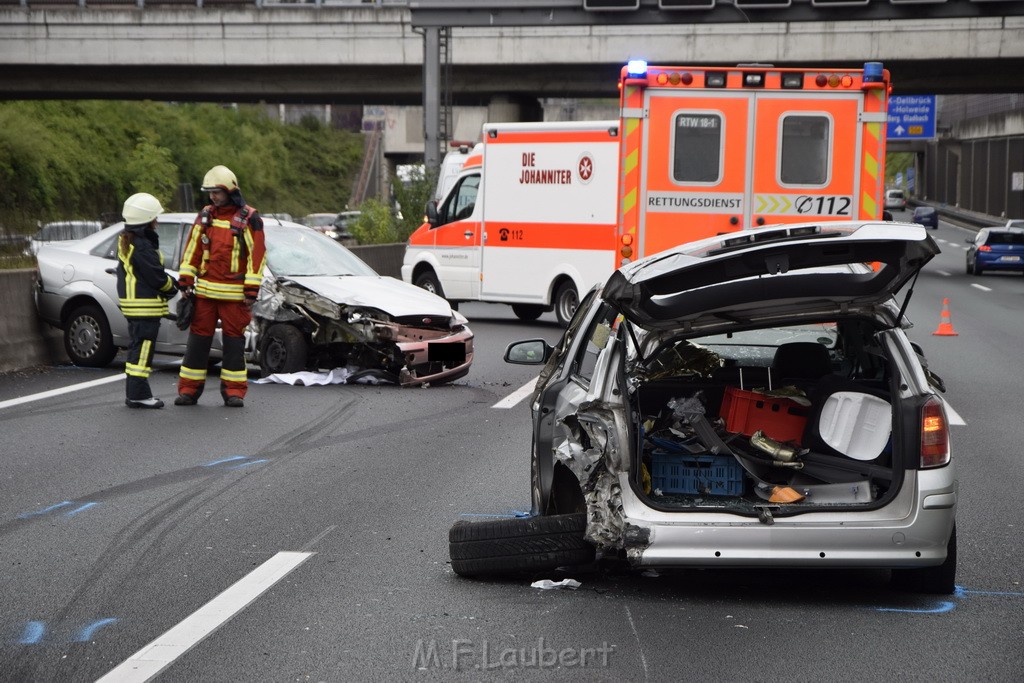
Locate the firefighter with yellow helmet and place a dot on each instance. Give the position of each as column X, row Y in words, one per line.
column 143, row 288
column 222, row 267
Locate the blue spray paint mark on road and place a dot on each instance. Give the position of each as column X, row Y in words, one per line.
column 942, row 608
column 224, row 460
column 33, row 633
column 85, row 635
column 246, row 464
column 514, row 514
column 27, row 515
column 74, row 512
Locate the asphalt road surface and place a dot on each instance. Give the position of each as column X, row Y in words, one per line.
column 304, row 537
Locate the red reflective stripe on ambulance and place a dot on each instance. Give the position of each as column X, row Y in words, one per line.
column 551, row 236
column 512, row 137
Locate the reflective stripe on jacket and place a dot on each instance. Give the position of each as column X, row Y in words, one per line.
column 225, row 253
column 143, row 286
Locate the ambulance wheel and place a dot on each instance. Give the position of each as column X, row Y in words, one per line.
column 428, row 281
column 566, row 301
column 527, row 312
column 282, row 350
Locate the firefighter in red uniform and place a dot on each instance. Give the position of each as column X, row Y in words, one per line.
column 222, row 267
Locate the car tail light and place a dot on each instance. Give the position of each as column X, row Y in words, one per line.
column 934, row 434
column 984, row 247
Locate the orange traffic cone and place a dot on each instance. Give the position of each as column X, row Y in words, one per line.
column 945, row 328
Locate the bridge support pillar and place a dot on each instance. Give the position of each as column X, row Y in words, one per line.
column 432, row 98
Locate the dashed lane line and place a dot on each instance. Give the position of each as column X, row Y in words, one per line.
column 516, row 396
column 162, row 652
column 64, row 390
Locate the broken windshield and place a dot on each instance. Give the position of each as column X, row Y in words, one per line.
column 298, row 252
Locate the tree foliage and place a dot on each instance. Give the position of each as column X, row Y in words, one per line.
column 81, row 159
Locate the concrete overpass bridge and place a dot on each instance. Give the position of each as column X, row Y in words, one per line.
column 410, row 52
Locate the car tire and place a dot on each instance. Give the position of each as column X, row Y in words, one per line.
column 566, row 301
column 517, row 546
column 428, row 281
column 283, row 349
column 938, row 580
column 87, row 338
column 527, row 312
column 969, row 268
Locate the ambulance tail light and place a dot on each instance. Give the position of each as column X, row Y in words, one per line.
column 626, row 250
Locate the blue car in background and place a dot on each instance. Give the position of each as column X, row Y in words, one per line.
column 996, row 249
column 926, row 216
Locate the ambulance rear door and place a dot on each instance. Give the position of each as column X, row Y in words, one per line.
column 697, row 146
column 806, row 165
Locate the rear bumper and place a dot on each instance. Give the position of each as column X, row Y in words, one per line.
column 996, row 264
column 911, row 531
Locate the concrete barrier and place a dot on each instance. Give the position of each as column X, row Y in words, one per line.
column 26, row 341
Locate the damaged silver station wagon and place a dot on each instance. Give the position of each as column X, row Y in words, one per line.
column 749, row 400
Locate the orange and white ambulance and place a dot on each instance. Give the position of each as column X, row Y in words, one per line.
column 711, row 150
column 530, row 221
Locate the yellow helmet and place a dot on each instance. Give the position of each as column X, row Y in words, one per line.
column 141, row 208
column 219, row 177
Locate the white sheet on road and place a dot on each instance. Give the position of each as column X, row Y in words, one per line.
column 312, row 379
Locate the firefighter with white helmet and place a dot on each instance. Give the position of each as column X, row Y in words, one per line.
column 143, row 288
column 222, row 267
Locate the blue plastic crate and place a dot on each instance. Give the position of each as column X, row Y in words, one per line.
column 714, row 475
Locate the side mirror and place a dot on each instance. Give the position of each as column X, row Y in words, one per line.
column 528, row 352
column 432, row 212
column 969, row 241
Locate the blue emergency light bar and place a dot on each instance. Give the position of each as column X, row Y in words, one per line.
column 873, row 72
column 636, row 68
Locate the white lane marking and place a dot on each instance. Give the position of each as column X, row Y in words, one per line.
column 953, row 416
column 942, row 272
column 57, row 392
column 517, row 395
column 981, row 287
column 158, row 655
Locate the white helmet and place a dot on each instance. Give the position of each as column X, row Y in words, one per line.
column 219, row 177
column 141, row 208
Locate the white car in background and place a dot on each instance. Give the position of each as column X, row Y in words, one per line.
column 320, row 307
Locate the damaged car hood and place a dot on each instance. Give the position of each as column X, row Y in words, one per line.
column 394, row 297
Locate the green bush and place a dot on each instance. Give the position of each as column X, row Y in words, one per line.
column 62, row 160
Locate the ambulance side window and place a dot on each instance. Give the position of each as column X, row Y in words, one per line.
column 461, row 201
column 697, row 147
column 804, row 149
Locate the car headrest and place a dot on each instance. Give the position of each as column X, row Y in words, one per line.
column 801, row 360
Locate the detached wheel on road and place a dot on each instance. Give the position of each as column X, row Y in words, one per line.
column 527, row 312
column 566, row 301
column 939, row 580
column 428, row 281
column 87, row 337
column 282, row 350
column 515, row 546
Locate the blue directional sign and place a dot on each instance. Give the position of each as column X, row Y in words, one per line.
column 911, row 117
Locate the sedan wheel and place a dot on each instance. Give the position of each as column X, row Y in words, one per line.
column 87, row 338
column 514, row 546
column 283, row 350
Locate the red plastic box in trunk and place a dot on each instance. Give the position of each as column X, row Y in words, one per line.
column 748, row 411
